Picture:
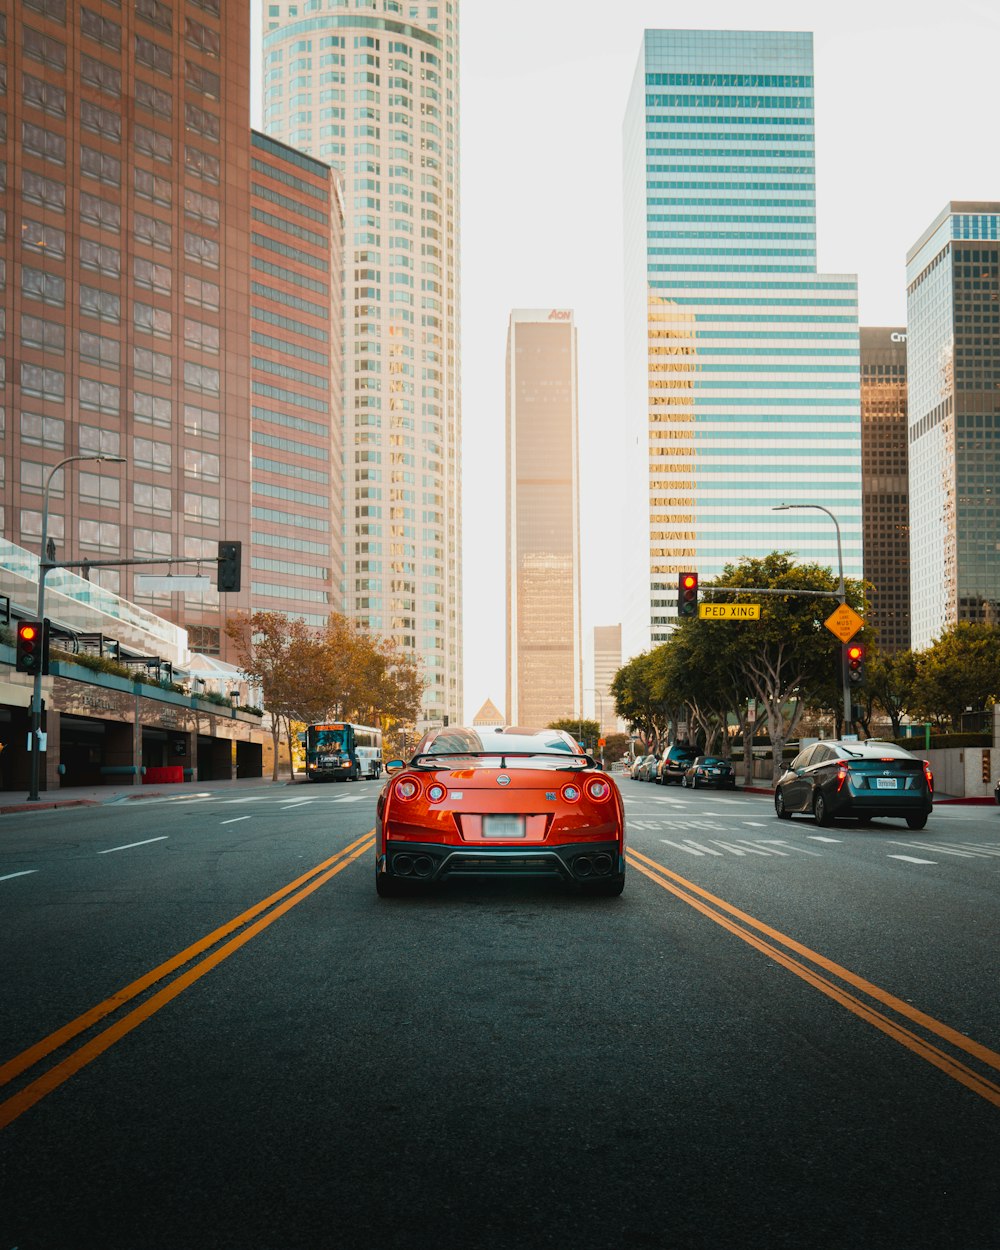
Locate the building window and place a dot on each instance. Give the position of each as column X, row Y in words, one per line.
column 153, row 56
column 44, row 191
column 43, row 48
column 99, row 165
column 43, row 383
column 47, row 144
column 100, row 535
column 39, row 431
column 203, row 508
column 100, row 350
column 155, row 499
column 149, row 454
column 44, row 95
column 99, row 257
column 46, row 240
column 99, row 441
column 156, row 233
column 102, row 304
column 96, row 74
column 49, row 336
column 154, row 100
column 100, row 397
column 100, row 212
column 152, row 409
column 100, row 29
column 97, row 489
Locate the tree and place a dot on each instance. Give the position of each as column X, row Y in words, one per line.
column 892, row 684
column 789, row 660
column 337, row 673
column 961, row 669
column 580, row 730
column 632, row 688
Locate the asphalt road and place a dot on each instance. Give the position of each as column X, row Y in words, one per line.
column 213, row 1034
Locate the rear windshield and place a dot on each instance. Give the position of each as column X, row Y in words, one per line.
column 489, row 748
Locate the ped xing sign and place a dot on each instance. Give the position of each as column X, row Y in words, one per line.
column 729, row 611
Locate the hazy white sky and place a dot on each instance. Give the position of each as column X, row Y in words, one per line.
column 906, row 110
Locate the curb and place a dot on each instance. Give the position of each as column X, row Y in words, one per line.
column 9, row 809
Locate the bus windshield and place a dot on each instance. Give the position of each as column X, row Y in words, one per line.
column 330, row 739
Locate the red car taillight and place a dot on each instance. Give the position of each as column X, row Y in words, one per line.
column 598, row 789
column 570, row 793
column 406, row 788
column 929, row 775
column 841, row 777
column 436, row 793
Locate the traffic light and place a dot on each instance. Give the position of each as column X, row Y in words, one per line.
column 687, row 594
column 230, row 563
column 854, row 657
column 31, row 654
column 987, row 772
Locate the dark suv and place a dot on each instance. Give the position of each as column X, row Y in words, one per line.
column 676, row 760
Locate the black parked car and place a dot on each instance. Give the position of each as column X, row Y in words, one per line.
column 675, row 763
column 710, row 770
column 861, row 779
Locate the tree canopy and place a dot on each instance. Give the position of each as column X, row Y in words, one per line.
column 338, row 672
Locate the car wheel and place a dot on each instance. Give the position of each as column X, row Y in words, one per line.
column 779, row 806
column 388, row 887
column 694, row 783
column 821, row 811
column 604, row 889
column 917, row 821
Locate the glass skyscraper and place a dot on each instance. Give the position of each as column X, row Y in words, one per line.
column 953, row 366
column 371, row 86
column 741, row 360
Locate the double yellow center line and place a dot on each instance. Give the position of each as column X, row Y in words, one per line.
column 811, row 967
column 195, row 962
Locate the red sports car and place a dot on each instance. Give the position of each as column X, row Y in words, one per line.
column 499, row 802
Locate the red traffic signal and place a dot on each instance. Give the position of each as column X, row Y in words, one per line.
column 854, row 656
column 31, row 652
column 687, row 594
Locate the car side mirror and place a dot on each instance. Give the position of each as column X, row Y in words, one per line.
column 394, row 766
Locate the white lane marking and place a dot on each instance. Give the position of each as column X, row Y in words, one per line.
column 743, row 849
column 757, row 824
column 722, row 800
column 791, row 847
column 234, row 819
column 11, row 875
column 353, row 798
column 814, row 837
column 130, row 845
column 692, row 848
column 257, row 798
column 941, row 849
column 910, row 859
column 287, row 807
column 980, row 848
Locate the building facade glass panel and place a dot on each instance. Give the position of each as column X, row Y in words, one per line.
column 742, row 383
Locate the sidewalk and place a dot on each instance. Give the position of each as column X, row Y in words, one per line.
column 93, row 796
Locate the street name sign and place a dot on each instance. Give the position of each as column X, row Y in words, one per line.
column 729, row 611
column 843, row 622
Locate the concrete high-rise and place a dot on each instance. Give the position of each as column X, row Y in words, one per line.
column 125, row 283
column 607, row 661
column 742, row 386
column 885, row 488
column 953, row 371
column 373, row 89
column 544, row 652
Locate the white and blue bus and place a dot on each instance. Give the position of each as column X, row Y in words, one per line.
column 340, row 751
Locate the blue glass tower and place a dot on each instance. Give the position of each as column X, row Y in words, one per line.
column 742, row 362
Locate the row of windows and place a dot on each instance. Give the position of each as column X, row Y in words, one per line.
column 277, row 517
column 290, row 349
column 290, row 397
column 288, row 323
column 290, row 445
column 729, row 80
column 291, row 422
column 290, row 496
column 290, row 567
column 286, row 542
column 289, row 592
column 289, row 227
column 293, row 253
column 292, row 375
column 285, row 201
column 671, row 100
column 287, row 298
column 289, row 275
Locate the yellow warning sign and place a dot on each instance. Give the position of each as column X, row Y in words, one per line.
column 729, row 611
column 843, row 622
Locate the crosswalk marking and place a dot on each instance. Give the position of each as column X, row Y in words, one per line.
column 963, row 850
column 692, row 848
column 911, row 859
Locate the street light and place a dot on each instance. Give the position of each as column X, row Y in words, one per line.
column 784, row 507
column 46, row 562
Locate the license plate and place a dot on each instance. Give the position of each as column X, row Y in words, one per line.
column 503, row 826
column 714, row 772
column 885, row 783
